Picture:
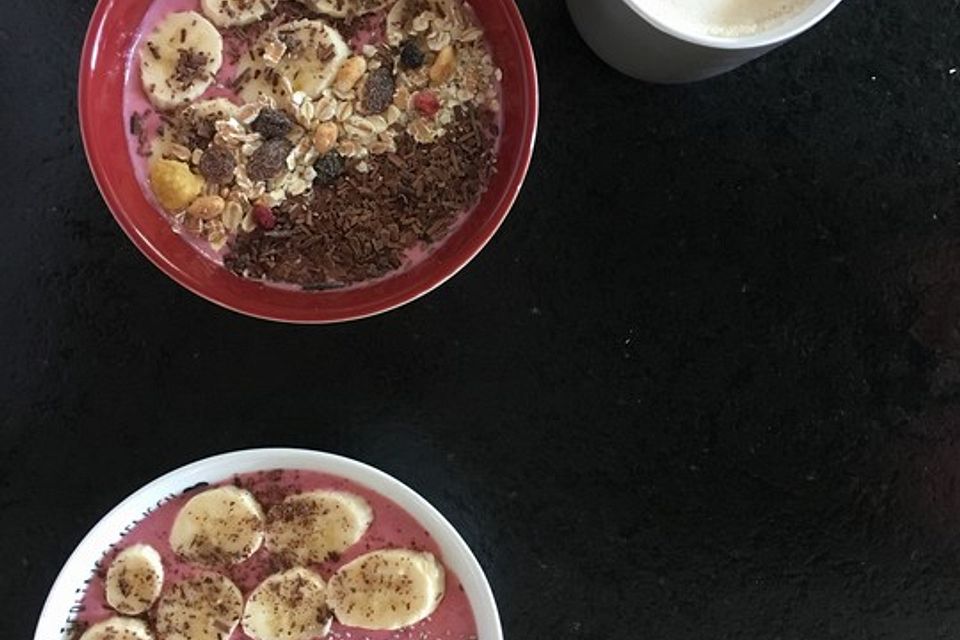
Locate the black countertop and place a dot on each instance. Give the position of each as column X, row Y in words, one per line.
column 705, row 382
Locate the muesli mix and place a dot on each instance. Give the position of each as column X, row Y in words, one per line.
column 318, row 143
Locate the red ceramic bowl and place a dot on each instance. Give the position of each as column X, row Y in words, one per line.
column 108, row 44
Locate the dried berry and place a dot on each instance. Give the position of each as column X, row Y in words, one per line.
column 272, row 123
column 217, row 164
column 329, row 167
column 264, row 217
column 411, row 56
column 427, row 103
column 378, row 91
column 270, row 160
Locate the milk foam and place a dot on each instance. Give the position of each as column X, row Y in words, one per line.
column 725, row 18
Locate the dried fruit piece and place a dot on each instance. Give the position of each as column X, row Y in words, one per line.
column 444, row 66
column 173, row 184
column 378, row 90
column 270, row 160
column 264, row 217
column 207, row 207
column 411, row 56
column 272, row 123
column 329, row 167
column 325, row 137
column 217, row 164
column 351, row 71
column 427, row 103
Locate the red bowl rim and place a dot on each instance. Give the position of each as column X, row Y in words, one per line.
column 250, row 307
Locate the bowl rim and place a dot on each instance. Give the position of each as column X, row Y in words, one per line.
column 433, row 279
column 76, row 570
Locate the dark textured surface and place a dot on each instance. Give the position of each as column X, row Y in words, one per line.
column 704, row 384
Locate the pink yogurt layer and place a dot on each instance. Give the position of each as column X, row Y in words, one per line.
column 392, row 528
column 136, row 101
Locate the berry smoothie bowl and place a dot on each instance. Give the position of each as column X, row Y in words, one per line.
column 272, row 544
column 308, row 161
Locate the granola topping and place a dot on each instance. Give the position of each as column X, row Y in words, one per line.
column 348, row 158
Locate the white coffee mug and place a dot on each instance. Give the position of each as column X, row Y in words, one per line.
column 631, row 39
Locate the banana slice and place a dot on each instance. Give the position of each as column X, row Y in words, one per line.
column 387, row 590
column 179, row 60
column 236, row 13
column 118, row 628
column 307, row 54
column 345, row 8
column 317, row 525
column 196, row 125
column 288, row 606
column 205, row 607
column 134, row 579
column 213, row 109
column 219, row 526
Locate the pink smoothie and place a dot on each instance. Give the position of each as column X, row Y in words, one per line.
column 392, row 528
column 136, row 101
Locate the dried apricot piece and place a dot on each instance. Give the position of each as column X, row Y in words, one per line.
column 173, row 184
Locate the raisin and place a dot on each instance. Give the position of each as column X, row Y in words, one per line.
column 378, row 91
column 329, row 167
column 272, row 123
column 217, row 165
column 411, row 56
column 270, row 160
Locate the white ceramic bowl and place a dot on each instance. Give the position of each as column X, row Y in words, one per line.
column 69, row 585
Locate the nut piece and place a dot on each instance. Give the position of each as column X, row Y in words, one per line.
column 325, row 137
column 444, row 66
column 207, row 207
column 351, row 71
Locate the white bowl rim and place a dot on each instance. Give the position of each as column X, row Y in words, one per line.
column 71, row 581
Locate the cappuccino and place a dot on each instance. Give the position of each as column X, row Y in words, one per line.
column 724, row 18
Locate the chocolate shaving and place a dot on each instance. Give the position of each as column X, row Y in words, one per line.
column 362, row 226
column 191, row 66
